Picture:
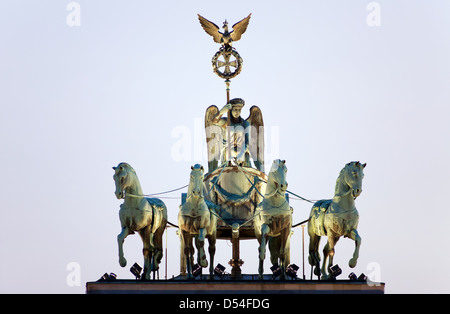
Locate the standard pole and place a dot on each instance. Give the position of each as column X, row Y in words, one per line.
column 165, row 276
column 303, row 249
column 236, row 261
column 227, row 83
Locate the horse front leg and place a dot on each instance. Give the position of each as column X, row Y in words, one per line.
column 262, row 249
column 120, row 239
column 212, row 252
column 187, row 252
column 200, row 244
column 355, row 236
column 284, row 254
column 183, row 264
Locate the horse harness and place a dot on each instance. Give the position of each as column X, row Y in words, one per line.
column 157, row 212
column 341, row 220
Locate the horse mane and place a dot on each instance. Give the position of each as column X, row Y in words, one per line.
column 350, row 164
column 128, row 166
column 275, row 165
column 338, row 180
column 196, row 167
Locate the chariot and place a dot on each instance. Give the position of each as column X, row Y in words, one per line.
column 236, row 191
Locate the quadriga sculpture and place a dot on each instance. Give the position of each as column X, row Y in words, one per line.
column 147, row 216
column 335, row 218
column 196, row 220
column 273, row 220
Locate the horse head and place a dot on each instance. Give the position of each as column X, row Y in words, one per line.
column 352, row 176
column 196, row 181
column 122, row 178
column 276, row 182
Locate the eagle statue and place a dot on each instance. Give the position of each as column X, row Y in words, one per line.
column 226, row 38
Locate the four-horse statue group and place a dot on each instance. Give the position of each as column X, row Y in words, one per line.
column 237, row 200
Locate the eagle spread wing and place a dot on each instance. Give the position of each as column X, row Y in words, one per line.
column 211, row 28
column 239, row 28
column 256, row 141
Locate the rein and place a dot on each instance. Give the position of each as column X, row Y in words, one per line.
column 149, row 195
column 213, row 185
column 350, row 190
column 345, row 194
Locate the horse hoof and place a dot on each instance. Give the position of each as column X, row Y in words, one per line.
column 204, row 263
column 317, row 271
column 352, row 262
column 122, row 261
column 154, row 268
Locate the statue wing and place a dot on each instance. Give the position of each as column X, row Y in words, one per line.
column 211, row 112
column 239, row 28
column 213, row 138
column 210, row 28
column 256, row 140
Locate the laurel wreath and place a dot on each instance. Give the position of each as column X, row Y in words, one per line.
column 216, row 66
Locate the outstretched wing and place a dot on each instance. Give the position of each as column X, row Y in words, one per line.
column 213, row 138
column 256, row 141
column 210, row 28
column 239, row 28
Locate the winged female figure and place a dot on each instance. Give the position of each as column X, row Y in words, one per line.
column 233, row 138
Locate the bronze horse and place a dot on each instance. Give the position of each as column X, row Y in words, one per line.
column 335, row 218
column 147, row 216
column 196, row 220
column 273, row 220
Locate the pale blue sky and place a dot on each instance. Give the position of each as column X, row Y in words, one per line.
column 76, row 101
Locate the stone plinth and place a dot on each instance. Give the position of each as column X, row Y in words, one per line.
column 244, row 286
